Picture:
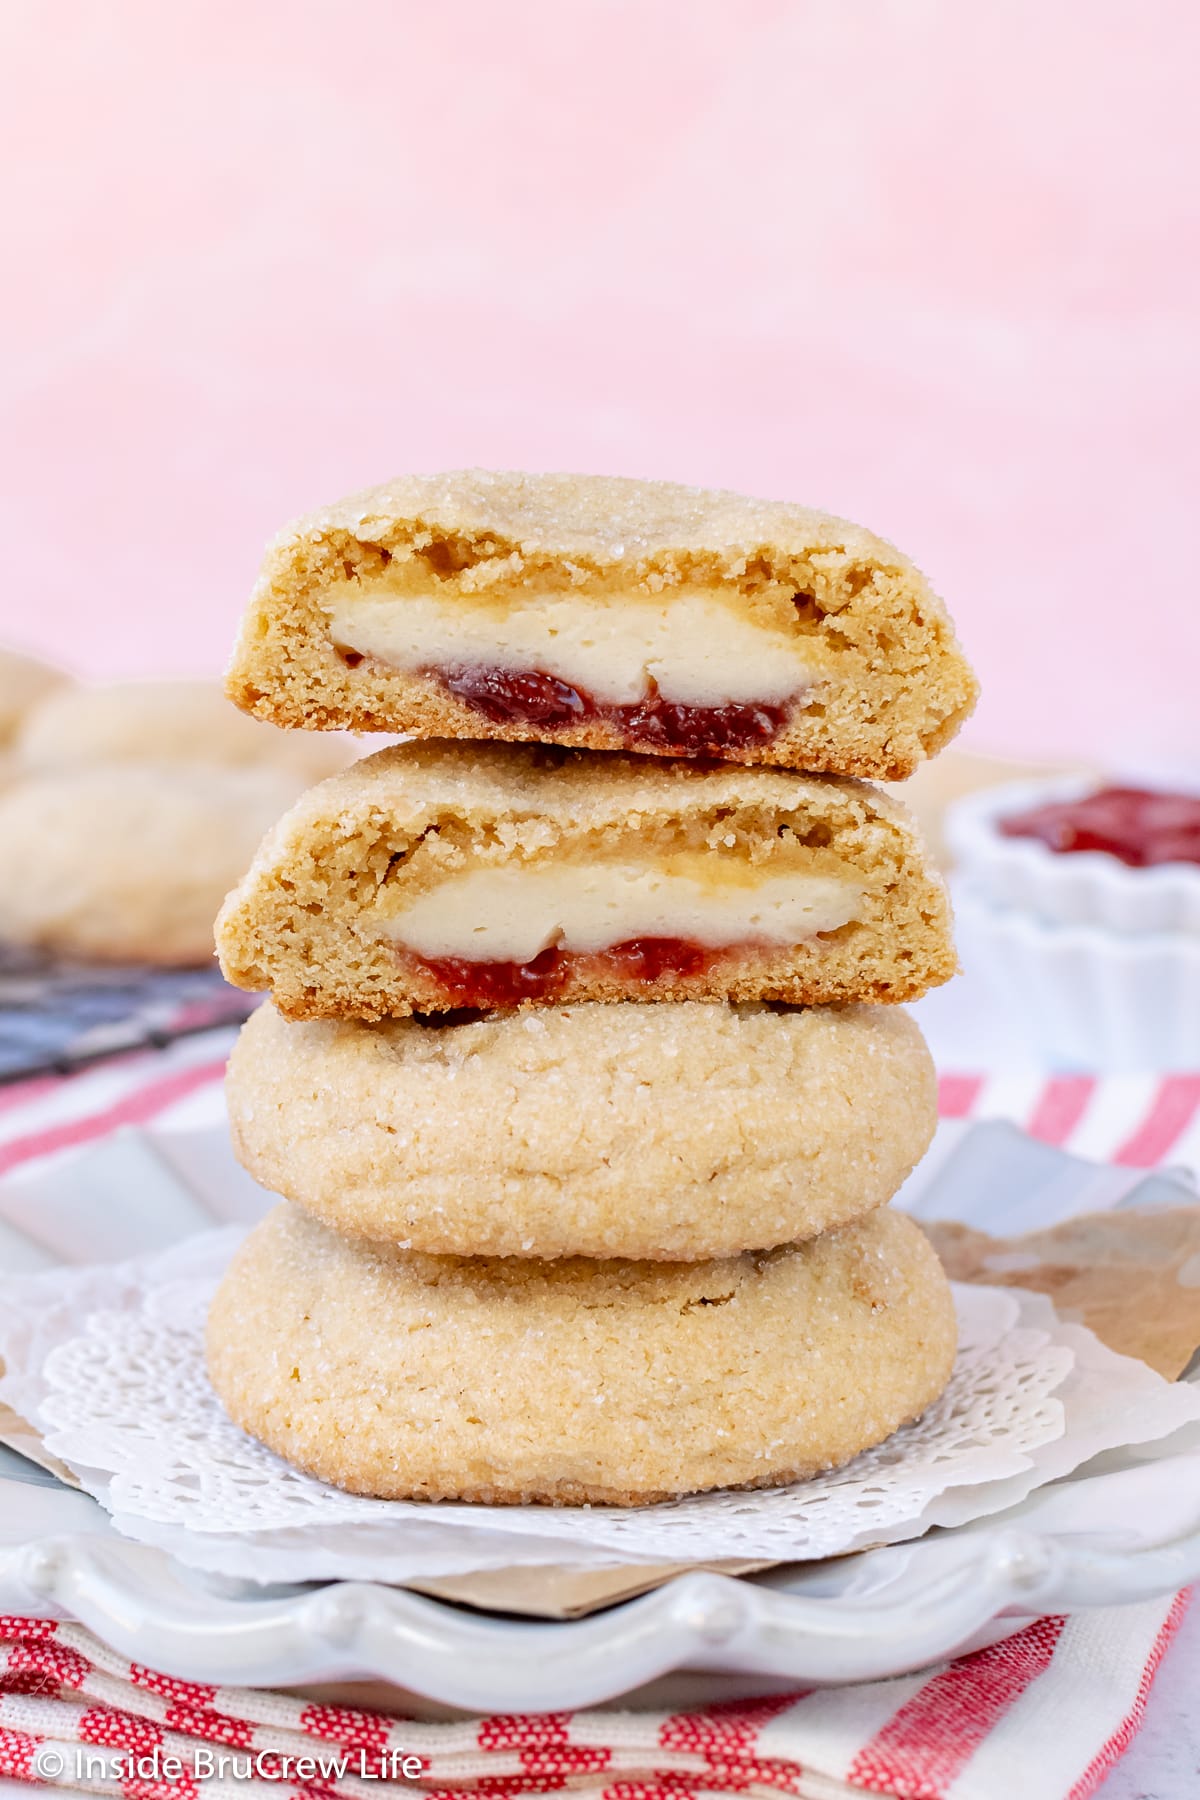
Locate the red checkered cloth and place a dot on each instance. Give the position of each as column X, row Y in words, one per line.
column 1046, row 1714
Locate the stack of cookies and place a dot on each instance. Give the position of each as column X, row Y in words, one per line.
column 583, row 1077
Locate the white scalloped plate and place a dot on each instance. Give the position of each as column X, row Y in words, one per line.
column 880, row 1613
column 856, row 1619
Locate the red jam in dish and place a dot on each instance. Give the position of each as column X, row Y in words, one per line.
column 530, row 697
column 487, row 985
column 1138, row 826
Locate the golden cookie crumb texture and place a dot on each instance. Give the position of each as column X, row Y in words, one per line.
column 606, row 614
column 435, row 876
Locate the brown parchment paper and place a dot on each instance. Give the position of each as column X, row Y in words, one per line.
column 20, row 1435
column 1132, row 1277
column 551, row 1592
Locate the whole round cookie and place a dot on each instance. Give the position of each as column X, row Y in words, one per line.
column 168, row 721
column 575, row 1382
column 128, row 862
column 24, row 683
column 639, row 1130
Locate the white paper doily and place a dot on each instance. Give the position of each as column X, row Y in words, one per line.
column 126, row 1402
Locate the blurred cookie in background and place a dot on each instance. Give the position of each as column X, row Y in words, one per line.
column 127, row 811
column 129, row 862
column 25, row 682
column 167, row 722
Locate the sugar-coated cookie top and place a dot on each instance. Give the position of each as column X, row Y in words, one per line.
column 414, row 781
column 602, row 519
column 667, row 1132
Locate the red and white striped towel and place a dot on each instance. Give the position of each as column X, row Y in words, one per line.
column 1045, row 1714
column 51, row 1114
column 1139, row 1121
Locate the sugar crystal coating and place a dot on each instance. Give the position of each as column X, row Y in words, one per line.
column 619, row 1383
column 658, row 1132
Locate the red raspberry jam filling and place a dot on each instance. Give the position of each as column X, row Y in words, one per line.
column 1139, row 827
column 484, row 986
column 487, row 985
column 529, row 697
column 646, row 958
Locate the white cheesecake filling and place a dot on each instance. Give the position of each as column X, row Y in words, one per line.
column 697, row 651
column 512, row 914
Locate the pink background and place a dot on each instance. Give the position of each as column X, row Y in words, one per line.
column 931, row 265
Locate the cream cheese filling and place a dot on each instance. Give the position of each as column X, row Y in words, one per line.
column 698, row 651
column 512, row 913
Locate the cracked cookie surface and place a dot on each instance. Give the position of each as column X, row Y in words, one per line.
column 565, row 1383
column 658, row 1132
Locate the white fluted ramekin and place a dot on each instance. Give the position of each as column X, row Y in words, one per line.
column 1085, row 887
column 1083, row 996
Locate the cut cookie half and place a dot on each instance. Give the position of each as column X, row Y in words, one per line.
column 438, row 876
column 604, row 613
